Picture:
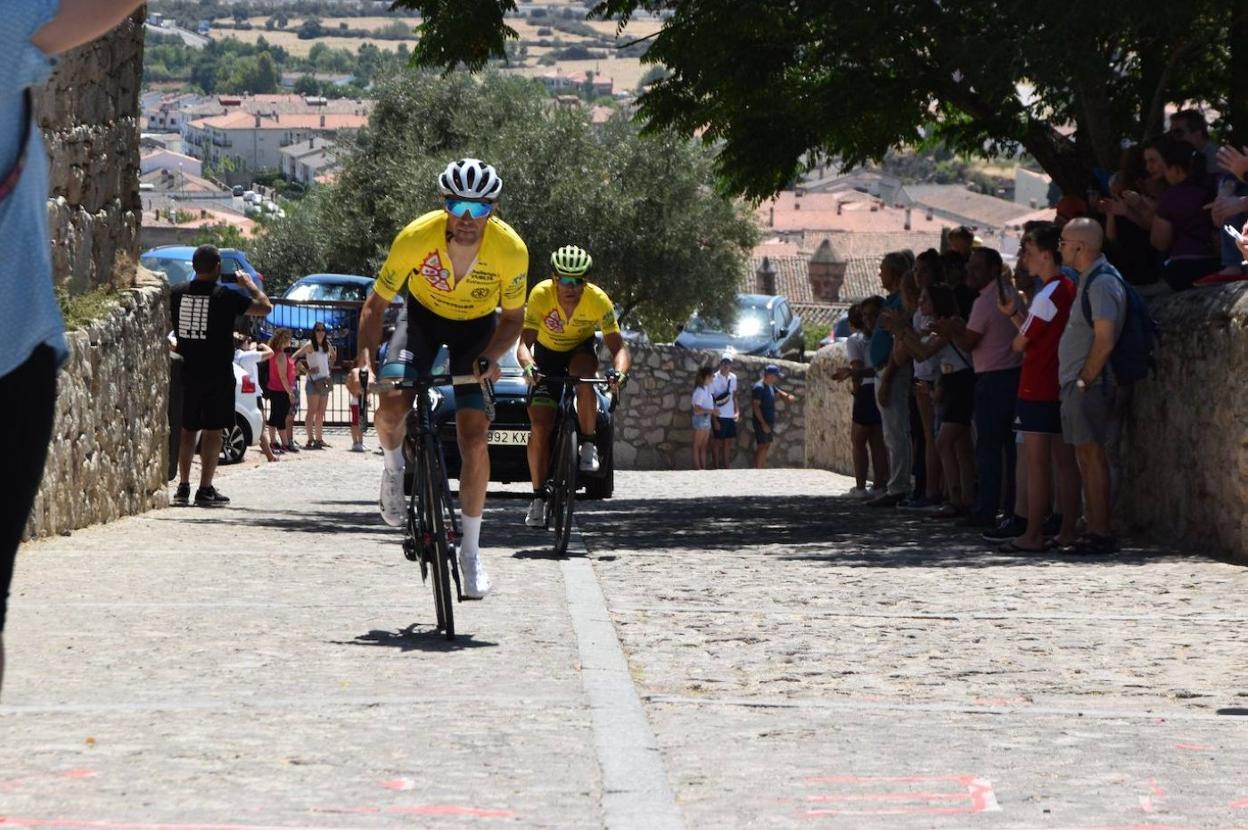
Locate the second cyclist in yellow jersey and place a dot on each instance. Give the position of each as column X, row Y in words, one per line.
column 557, row 339
column 420, row 261
column 557, row 329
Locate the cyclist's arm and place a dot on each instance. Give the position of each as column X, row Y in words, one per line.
column 621, row 359
column 372, row 316
column 510, row 322
column 524, row 351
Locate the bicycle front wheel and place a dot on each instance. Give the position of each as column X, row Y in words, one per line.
column 440, row 547
column 565, row 498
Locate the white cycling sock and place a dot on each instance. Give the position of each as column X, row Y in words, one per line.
column 471, row 539
column 394, row 459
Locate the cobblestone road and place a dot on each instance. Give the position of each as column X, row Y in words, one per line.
column 801, row 662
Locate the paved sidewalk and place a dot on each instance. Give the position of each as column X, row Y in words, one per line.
column 800, row 661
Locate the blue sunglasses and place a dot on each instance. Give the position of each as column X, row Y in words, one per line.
column 477, row 210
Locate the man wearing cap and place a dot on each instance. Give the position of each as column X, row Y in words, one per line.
column 203, row 322
column 763, row 401
column 724, row 424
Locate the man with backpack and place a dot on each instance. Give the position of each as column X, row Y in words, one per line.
column 1096, row 359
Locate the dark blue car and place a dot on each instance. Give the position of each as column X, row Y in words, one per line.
column 174, row 261
column 331, row 299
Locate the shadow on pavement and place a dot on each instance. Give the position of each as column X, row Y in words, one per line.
column 825, row 529
column 409, row 639
column 297, row 521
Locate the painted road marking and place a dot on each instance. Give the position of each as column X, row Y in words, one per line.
column 900, row 795
column 62, row 775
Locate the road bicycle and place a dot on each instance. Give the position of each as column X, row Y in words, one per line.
column 561, row 483
column 431, row 533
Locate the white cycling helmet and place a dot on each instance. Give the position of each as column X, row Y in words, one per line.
column 470, row 179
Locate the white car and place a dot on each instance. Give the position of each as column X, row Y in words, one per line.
column 248, row 419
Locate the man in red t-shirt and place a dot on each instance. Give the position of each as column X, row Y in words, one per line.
column 1038, row 412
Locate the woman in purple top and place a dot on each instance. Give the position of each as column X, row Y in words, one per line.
column 1182, row 228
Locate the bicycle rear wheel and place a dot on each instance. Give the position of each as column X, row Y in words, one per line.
column 440, row 546
column 565, row 487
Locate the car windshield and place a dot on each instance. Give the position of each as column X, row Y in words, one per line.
column 176, row 271
column 750, row 322
column 327, row 292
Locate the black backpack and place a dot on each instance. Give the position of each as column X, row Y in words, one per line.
column 263, row 371
column 1132, row 359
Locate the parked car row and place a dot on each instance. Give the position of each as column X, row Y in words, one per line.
column 763, row 325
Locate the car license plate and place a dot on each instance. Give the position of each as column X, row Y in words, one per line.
column 508, row 437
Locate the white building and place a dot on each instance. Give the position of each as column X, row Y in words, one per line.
column 305, row 161
column 169, row 160
column 255, row 142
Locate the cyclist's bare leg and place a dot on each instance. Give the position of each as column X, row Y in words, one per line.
column 391, row 417
column 474, row 477
column 584, row 365
column 543, row 420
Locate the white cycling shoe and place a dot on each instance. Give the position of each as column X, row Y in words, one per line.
column 589, row 457
column 536, row 517
column 392, row 501
column 476, row 581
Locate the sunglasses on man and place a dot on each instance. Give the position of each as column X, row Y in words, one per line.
column 571, row 281
column 461, row 208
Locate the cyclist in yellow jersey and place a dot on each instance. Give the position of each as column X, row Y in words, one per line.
column 458, row 265
column 558, row 339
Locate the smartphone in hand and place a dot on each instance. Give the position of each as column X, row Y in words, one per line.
column 1232, row 233
column 1001, row 292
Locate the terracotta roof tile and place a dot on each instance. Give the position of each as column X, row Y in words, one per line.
column 956, row 200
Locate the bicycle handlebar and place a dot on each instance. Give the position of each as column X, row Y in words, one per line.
column 391, row 384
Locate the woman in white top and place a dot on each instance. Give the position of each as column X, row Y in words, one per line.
column 320, row 354
column 867, row 432
column 250, row 355
column 703, row 410
column 926, row 373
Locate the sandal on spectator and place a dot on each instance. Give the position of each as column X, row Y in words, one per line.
column 1013, row 546
column 1094, row 544
column 948, row 511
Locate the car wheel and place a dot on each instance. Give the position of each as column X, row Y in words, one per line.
column 234, row 441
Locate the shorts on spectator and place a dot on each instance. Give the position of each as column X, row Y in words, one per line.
column 866, row 411
column 725, row 428
column 701, row 422
column 761, row 437
column 1087, row 413
column 208, row 404
column 279, row 408
column 1043, row 417
column 957, row 398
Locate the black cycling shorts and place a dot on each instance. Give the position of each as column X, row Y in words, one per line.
column 555, row 364
column 418, row 336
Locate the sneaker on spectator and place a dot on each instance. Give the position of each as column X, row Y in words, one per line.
column 291, row 447
column 1009, row 528
column 182, row 496
column 859, row 493
column 887, row 500
column 358, row 446
column 210, row 497
column 919, row 503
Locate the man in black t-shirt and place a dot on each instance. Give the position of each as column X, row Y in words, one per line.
column 203, row 322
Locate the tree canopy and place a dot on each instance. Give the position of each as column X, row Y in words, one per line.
column 663, row 241
column 776, row 83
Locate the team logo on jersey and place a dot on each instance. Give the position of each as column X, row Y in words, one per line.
column 433, row 272
column 553, row 322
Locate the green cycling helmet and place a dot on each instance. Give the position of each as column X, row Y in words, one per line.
column 571, row 261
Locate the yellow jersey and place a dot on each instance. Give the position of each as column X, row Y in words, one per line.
column 559, row 332
column 420, row 259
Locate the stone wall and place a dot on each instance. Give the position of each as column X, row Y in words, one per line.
column 830, row 406
column 1184, row 451
column 110, row 442
column 1185, row 444
column 89, row 113
column 653, row 423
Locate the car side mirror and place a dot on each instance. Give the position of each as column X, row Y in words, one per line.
column 784, row 332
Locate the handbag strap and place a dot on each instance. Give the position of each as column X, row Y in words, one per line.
column 954, row 346
column 9, row 183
